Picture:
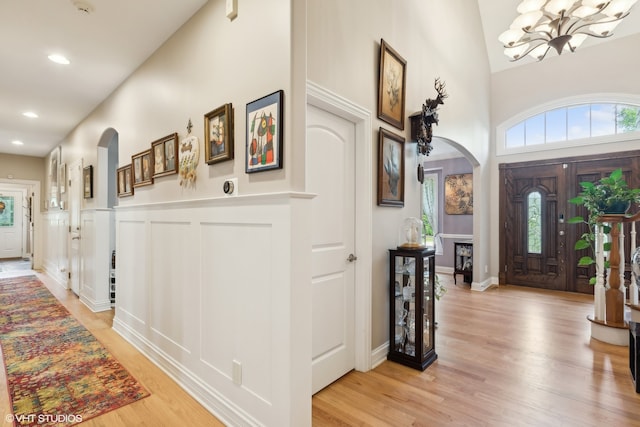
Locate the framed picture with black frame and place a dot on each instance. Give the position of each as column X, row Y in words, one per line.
column 87, row 182
column 265, row 126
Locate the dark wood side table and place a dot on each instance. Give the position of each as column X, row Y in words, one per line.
column 634, row 352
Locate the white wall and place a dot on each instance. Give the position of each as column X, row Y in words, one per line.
column 203, row 281
column 343, row 51
column 610, row 68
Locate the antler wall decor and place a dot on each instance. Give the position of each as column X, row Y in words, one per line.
column 428, row 117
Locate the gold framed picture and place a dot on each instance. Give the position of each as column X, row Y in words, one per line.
column 391, row 86
column 142, row 168
column 218, row 131
column 165, row 155
column 125, row 181
column 390, row 169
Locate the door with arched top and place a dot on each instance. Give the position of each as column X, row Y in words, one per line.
column 534, row 216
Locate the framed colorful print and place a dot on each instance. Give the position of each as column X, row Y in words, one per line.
column 165, row 155
column 218, row 131
column 265, row 125
column 390, row 169
column 142, row 168
column 458, row 194
column 391, row 86
column 125, row 181
column 87, row 182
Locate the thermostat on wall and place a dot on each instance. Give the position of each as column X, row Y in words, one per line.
column 230, row 187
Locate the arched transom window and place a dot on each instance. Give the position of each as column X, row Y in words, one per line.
column 560, row 126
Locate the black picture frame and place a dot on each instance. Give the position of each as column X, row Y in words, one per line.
column 264, row 133
column 87, row 182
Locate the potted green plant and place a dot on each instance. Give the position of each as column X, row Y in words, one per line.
column 610, row 195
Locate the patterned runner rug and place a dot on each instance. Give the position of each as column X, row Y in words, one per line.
column 58, row 374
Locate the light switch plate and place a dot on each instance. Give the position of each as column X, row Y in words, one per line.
column 232, row 9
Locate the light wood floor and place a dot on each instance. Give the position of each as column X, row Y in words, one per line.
column 509, row 356
column 168, row 405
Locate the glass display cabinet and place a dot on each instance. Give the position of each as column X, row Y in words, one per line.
column 411, row 316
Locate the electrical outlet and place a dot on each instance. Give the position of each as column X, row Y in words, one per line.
column 237, row 372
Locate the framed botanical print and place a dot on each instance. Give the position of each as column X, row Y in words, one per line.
column 125, row 181
column 265, row 125
column 165, row 155
column 391, row 86
column 142, row 168
column 458, row 194
column 390, row 169
column 218, row 131
column 87, row 182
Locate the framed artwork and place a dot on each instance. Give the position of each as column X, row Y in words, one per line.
column 125, row 181
column 391, row 86
column 458, row 194
column 142, row 168
column 265, row 127
column 62, row 177
column 6, row 211
column 165, row 155
column 390, row 169
column 54, row 161
column 218, row 131
column 87, row 182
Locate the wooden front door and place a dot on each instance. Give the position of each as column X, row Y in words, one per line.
column 534, row 226
column 536, row 243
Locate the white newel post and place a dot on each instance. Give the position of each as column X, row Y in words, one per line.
column 599, row 291
column 633, row 287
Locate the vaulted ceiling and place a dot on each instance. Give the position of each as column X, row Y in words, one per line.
column 106, row 40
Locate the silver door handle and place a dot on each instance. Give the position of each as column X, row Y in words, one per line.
column 352, row 258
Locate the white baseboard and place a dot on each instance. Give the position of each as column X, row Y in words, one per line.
column 214, row 402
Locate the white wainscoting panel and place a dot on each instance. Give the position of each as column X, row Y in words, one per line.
column 206, row 285
column 55, row 233
column 88, row 261
column 236, row 291
column 132, row 286
column 173, row 279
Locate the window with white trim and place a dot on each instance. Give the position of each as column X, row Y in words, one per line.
column 574, row 122
column 570, row 124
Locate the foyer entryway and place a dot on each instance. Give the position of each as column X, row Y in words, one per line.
column 536, row 243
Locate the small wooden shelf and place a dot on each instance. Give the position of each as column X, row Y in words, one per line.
column 463, row 261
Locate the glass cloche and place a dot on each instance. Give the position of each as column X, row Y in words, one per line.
column 411, row 234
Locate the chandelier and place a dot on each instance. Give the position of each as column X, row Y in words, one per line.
column 560, row 24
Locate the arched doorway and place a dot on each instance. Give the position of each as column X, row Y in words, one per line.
column 450, row 162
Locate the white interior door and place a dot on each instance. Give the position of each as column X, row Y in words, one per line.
column 75, row 204
column 330, row 173
column 11, row 220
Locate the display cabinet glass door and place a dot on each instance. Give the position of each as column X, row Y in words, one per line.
column 412, row 307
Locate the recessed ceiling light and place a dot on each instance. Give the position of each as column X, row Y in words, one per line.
column 16, row 142
column 30, row 114
column 59, row 59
